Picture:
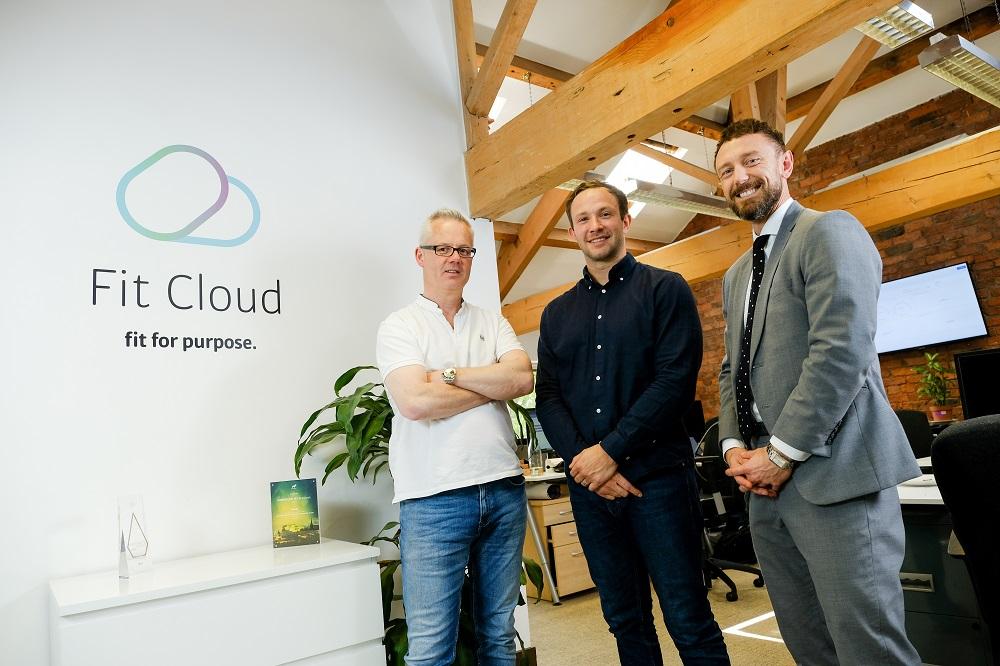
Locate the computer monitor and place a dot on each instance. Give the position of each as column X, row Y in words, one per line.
column 978, row 372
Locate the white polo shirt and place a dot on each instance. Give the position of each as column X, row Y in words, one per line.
column 476, row 446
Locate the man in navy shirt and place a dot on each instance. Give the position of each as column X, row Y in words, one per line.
column 618, row 359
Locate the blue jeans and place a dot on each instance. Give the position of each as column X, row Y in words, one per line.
column 657, row 536
column 481, row 527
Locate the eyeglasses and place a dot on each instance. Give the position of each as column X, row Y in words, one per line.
column 448, row 250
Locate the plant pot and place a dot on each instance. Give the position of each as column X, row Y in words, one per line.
column 940, row 413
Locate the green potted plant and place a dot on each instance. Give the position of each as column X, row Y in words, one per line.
column 935, row 385
column 363, row 418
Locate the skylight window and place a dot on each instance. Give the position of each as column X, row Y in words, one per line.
column 633, row 166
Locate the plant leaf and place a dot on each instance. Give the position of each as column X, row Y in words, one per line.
column 313, row 416
column 388, row 586
column 337, row 461
column 396, row 643
column 348, row 377
column 534, row 572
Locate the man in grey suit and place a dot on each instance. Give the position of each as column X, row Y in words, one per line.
column 804, row 420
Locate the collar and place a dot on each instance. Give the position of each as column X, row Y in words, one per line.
column 427, row 304
column 619, row 271
column 773, row 223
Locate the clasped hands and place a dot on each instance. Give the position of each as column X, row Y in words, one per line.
column 598, row 472
column 754, row 472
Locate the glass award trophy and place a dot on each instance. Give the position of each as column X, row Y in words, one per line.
column 133, row 540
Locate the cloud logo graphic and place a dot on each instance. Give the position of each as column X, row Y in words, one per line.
column 183, row 235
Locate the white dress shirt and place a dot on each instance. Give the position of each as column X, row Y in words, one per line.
column 770, row 229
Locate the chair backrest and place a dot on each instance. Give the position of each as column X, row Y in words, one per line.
column 918, row 431
column 709, row 444
column 965, row 457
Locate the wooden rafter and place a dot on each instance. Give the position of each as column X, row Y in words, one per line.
column 506, row 37
column 515, row 257
column 948, row 178
column 542, row 75
column 897, row 61
column 744, row 104
column 475, row 127
column 685, row 59
column 955, row 176
column 834, row 92
column 771, row 92
column 523, row 69
column 507, row 232
column 677, row 163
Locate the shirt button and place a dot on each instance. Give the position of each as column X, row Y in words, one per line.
column 598, row 410
column 598, row 378
column 604, row 291
column 620, row 279
column 600, row 316
column 598, row 346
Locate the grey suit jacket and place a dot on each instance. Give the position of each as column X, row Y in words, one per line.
column 814, row 370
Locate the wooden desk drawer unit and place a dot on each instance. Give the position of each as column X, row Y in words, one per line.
column 565, row 554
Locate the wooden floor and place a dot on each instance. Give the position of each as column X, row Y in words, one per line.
column 575, row 634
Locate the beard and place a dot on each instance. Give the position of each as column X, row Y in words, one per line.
column 762, row 209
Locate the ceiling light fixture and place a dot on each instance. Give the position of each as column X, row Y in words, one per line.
column 963, row 64
column 666, row 195
column 899, row 24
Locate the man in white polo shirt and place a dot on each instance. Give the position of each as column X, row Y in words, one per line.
column 449, row 367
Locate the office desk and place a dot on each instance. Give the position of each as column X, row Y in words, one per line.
column 942, row 617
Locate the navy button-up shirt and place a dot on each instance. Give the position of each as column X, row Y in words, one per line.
column 618, row 364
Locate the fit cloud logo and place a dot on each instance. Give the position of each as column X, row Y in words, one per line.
column 186, row 233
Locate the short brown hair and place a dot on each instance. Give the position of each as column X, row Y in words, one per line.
column 750, row 126
column 591, row 184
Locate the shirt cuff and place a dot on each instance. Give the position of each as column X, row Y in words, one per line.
column 730, row 443
column 614, row 446
column 789, row 451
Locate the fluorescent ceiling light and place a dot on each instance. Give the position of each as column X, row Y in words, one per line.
column 963, row 64
column 672, row 197
column 632, row 167
column 900, row 24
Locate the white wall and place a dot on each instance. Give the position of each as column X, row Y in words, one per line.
column 343, row 119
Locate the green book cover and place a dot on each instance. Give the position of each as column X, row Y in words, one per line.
column 294, row 513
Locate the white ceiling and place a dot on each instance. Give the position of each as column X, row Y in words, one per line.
column 570, row 34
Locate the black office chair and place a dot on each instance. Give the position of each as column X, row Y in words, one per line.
column 726, row 531
column 918, row 431
column 965, row 459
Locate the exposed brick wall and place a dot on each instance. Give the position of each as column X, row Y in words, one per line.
column 970, row 233
column 897, row 136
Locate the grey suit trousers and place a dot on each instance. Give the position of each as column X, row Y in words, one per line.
column 832, row 573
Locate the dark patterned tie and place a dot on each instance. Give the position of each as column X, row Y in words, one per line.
column 744, row 395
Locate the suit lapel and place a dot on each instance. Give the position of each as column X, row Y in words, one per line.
column 738, row 297
column 760, row 309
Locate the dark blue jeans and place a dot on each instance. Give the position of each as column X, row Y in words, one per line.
column 657, row 536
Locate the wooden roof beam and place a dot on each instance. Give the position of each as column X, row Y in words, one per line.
column 685, row 59
column 538, row 74
column 515, row 257
column 771, row 93
column 955, row 176
column 507, row 232
column 475, row 127
column 897, row 61
column 743, row 103
column 834, row 92
column 506, row 37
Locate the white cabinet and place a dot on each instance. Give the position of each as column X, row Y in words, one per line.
column 313, row 605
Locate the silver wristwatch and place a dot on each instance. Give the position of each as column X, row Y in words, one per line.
column 779, row 458
column 448, row 375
